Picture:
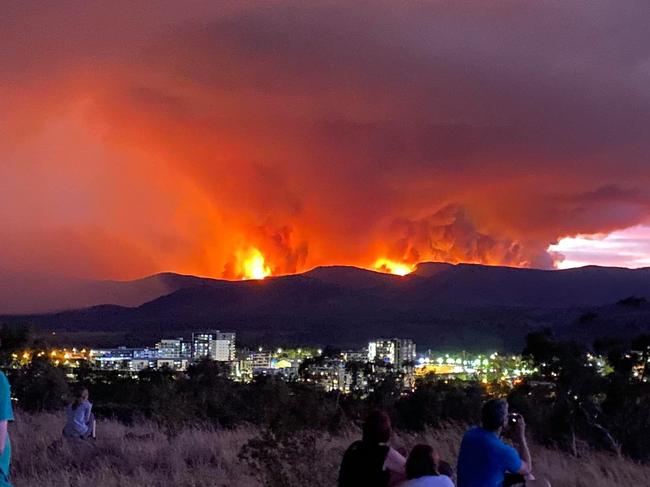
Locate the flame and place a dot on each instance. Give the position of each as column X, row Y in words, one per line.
column 253, row 265
column 392, row 267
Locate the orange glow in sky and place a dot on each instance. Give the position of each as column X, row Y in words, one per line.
column 244, row 139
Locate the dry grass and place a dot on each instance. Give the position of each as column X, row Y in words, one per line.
column 201, row 457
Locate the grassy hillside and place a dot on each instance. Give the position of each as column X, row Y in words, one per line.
column 147, row 455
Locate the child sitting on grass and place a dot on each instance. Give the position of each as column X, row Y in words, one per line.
column 80, row 421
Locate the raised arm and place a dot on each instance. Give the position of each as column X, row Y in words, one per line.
column 395, row 463
column 522, row 446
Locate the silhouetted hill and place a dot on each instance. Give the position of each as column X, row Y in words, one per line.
column 353, row 277
column 42, row 293
column 471, row 284
column 440, row 305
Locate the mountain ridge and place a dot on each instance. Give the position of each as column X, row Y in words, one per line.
column 439, row 303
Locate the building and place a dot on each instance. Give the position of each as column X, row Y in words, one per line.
column 395, row 351
column 405, row 352
column 174, row 348
column 177, row 364
column 382, row 350
column 242, row 370
column 215, row 345
column 223, row 348
column 124, row 359
column 355, row 355
column 331, row 375
column 261, row 359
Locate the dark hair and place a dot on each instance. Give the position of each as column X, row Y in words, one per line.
column 420, row 462
column 493, row 414
column 78, row 396
column 376, row 429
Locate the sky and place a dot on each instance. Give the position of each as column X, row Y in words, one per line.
column 140, row 137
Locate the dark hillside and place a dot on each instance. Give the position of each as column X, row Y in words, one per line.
column 440, row 305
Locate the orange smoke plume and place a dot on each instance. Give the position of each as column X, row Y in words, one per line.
column 228, row 139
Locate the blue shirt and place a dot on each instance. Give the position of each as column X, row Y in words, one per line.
column 6, row 414
column 484, row 459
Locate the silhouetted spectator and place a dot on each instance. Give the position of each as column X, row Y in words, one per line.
column 80, row 422
column 371, row 462
column 485, row 460
column 6, row 415
column 422, row 469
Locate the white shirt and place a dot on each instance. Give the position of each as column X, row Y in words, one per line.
column 429, row 481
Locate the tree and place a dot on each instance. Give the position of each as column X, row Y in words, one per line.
column 13, row 338
column 435, row 401
column 355, row 369
column 570, row 409
column 641, row 351
column 40, row 386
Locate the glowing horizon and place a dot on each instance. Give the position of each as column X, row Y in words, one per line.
column 623, row 248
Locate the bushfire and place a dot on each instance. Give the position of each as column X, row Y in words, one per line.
column 392, row 267
column 252, row 264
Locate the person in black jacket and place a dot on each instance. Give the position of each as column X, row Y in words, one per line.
column 371, row 462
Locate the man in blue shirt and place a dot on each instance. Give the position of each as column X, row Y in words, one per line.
column 6, row 415
column 484, row 459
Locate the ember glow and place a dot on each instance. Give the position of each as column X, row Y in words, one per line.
column 245, row 139
column 390, row 267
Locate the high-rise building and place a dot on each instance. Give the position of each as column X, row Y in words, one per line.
column 173, row 353
column 223, row 349
column 174, row 348
column 201, row 344
column 405, row 352
column 396, row 351
column 215, row 345
column 381, row 350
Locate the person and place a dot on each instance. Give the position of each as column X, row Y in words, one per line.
column 484, row 459
column 422, row 469
column 371, row 462
column 6, row 415
column 80, row 421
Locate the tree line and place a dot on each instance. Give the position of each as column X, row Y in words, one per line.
column 569, row 403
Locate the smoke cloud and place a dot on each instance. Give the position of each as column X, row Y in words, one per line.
column 136, row 140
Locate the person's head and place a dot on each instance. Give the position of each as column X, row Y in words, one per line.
column 376, row 429
column 421, row 462
column 494, row 414
column 80, row 395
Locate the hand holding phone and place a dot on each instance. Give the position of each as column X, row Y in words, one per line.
column 516, row 424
